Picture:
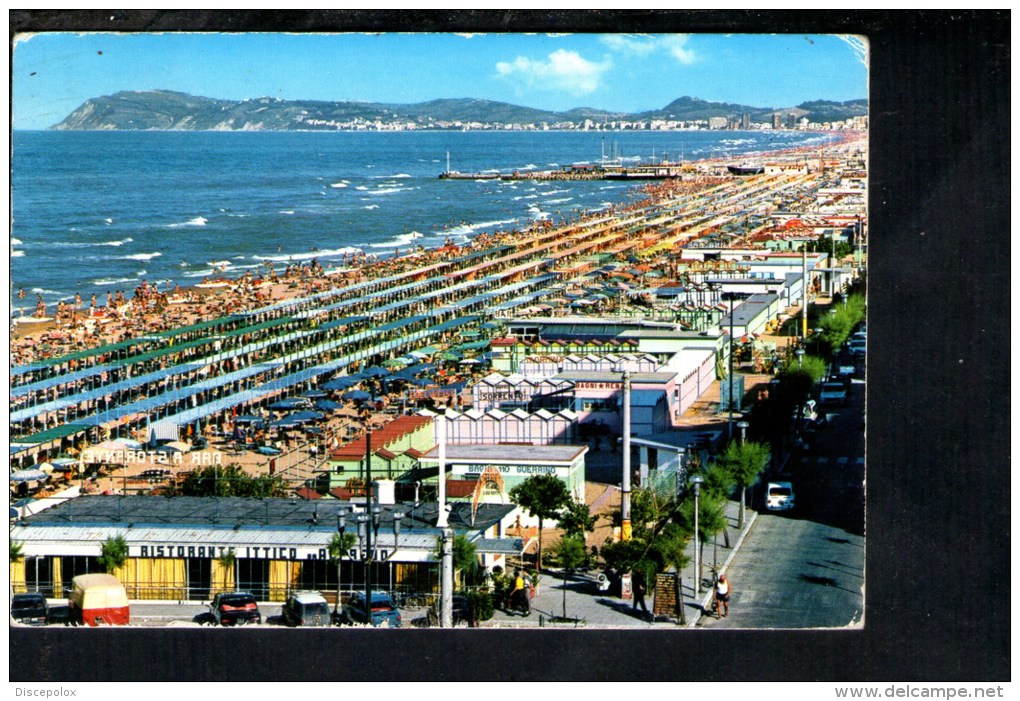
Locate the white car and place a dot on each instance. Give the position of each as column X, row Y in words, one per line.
column 779, row 496
column 832, row 393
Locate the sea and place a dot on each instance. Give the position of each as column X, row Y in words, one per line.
column 97, row 212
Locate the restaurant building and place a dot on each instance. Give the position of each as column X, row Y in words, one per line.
column 189, row 548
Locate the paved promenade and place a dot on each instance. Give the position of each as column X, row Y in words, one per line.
column 593, row 609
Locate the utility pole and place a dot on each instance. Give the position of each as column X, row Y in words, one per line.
column 804, row 295
column 446, row 563
column 625, row 530
column 368, row 527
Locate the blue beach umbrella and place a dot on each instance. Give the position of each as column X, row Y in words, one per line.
column 314, row 394
column 357, row 395
column 289, row 404
column 376, row 371
column 328, row 405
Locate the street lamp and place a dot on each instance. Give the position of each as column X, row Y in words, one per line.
column 696, row 481
column 341, row 529
column 800, row 357
column 743, row 426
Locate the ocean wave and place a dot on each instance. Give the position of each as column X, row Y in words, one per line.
column 218, row 263
column 286, row 211
column 328, row 253
column 199, row 273
column 197, row 221
column 108, row 220
column 141, row 272
column 465, row 229
column 338, row 185
column 360, row 187
column 560, row 201
column 82, row 244
column 140, row 256
column 390, row 177
column 15, row 242
column 17, row 254
column 371, row 206
column 389, row 190
column 399, row 240
column 117, row 281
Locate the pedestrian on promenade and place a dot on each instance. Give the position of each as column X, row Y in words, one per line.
column 722, row 596
column 640, row 587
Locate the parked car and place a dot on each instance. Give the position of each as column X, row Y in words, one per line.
column 235, row 609
column 306, row 609
column 832, row 393
column 461, row 611
column 858, row 346
column 30, row 608
column 779, row 496
column 383, row 610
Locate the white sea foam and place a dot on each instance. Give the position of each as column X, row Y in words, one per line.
column 108, row 220
column 328, row 253
column 116, row 281
column 197, row 221
column 17, row 254
column 399, row 240
column 199, row 273
column 140, row 256
column 141, row 272
column 218, row 263
column 286, row 211
column 82, row 244
column 338, row 185
column 561, row 201
column 371, row 206
column 360, row 187
column 15, row 242
column 389, row 190
column 390, row 177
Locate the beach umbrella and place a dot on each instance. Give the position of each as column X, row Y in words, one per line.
column 314, row 394
column 63, row 462
column 423, row 382
column 395, row 363
column 248, row 419
column 30, row 475
column 357, row 395
column 289, row 404
column 340, row 383
column 470, row 361
column 376, row 371
column 449, row 355
column 287, row 422
column 129, row 443
column 328, row 405
column 304, row 416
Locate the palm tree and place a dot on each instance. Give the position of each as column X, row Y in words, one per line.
column 114, row 553
column 338, row 547
column 226, row 562
column 17, row 554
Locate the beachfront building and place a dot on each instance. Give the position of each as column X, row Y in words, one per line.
column 518, row 426
column 189, row 548
column 513, row 463
column 395, row 449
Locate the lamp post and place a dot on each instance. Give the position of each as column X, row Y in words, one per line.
column 341, row 529
column 696, row 481
column 743, row 426
column 800, row 357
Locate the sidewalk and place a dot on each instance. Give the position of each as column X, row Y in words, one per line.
column 586, row 607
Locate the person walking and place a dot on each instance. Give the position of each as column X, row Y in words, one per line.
column 722, row 596
column 640, row 587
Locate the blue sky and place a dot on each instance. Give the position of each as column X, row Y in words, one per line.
column 54, row 73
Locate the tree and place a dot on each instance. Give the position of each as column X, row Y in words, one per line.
column 17, row 554
column 226, row 561
column 465, row 557
column 570, row 554
column 577, row 519
column 231, row 481
column 114, row 553
column 542, row 496
column 744, row 463
column 711, row 519
column 338, row 547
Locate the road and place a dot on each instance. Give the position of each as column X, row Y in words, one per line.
column 806, row 569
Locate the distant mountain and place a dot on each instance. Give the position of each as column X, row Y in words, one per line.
column 167, row 110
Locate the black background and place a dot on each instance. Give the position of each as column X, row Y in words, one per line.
column 938, row 478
